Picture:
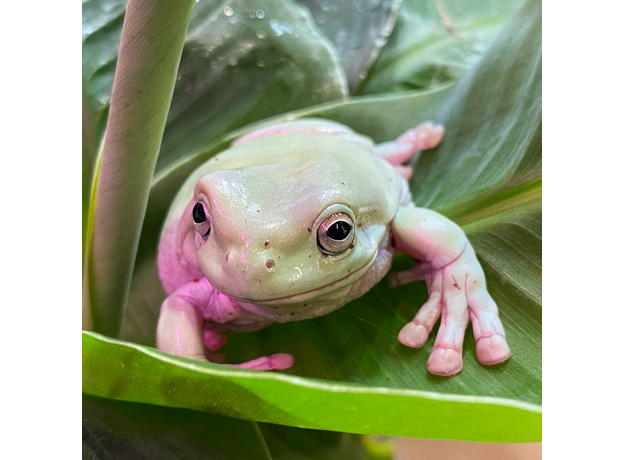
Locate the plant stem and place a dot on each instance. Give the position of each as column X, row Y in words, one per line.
column 151, row 45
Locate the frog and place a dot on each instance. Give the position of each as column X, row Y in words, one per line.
column 296, row 219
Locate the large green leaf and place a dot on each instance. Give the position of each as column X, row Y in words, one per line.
column 243, row 61
column 121, row 430
column 141, row 374
column 351, row 374
column 435, row 41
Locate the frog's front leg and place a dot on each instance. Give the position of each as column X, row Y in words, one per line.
column 425, row 136
column 181, row 329
column 457, row 291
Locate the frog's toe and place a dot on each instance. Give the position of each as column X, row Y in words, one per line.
column 282, row 361
column 213, row 340
column 445, row 361
column 274, row 362
column 413, row 335
column 404, row 171
column 432, row 136
column 425, row 136
column 493, row 350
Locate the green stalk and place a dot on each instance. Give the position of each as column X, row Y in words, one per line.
column 151, row 45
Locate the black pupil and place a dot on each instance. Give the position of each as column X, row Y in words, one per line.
column 339, row 230
column 199, row 215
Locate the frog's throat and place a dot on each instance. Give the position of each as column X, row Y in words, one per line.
column 316, row 292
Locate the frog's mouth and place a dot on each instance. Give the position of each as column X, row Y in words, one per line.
column 315, row 292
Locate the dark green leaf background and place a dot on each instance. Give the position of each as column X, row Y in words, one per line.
column 351, row 374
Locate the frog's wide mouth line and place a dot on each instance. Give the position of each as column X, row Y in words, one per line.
column 305, row 295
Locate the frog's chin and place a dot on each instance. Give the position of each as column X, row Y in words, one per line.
column 313, row 293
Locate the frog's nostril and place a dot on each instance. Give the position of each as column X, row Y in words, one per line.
column 270, row 264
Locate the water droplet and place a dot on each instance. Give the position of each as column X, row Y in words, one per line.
column 232, row 61
column 214, row 64
column 261, row 34
column 232, row 19
column 86, row 30
column 326, row 6
column 228, row 11
column 260, row 63
column 252, row 14
column 214, row 17
column 260, row 14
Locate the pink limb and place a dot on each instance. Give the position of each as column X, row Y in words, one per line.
column 423, row 137
column 457, row 292
column 181, row 329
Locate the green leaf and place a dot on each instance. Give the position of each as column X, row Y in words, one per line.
column 358, row 30
column 143, row 87
column 351, row 374
column 114, row 429
column 436, row 41
column 243, row 61
column 130, row 372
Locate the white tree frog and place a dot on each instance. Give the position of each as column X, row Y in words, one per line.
column 295, row 220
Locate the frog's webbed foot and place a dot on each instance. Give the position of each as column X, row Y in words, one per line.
column 425, row 136
column 457, row 294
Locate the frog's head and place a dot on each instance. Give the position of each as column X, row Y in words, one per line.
column 302, row 219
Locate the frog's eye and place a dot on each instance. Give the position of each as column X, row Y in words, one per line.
column 335, row 234
column 200, row 219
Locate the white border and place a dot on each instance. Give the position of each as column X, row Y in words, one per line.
column 40, row 234
column 583, row 233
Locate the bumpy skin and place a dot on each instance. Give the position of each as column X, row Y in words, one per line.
column 266, row 198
